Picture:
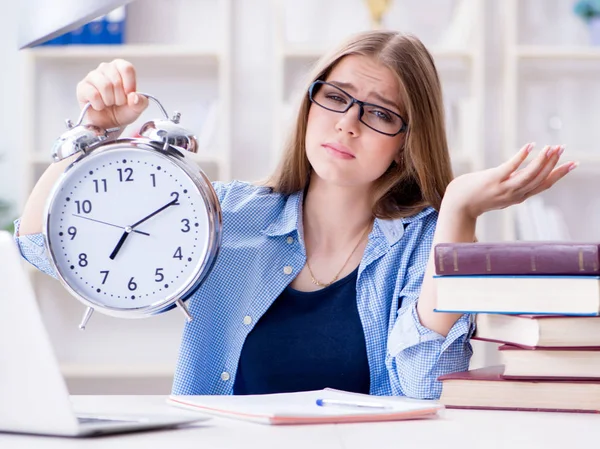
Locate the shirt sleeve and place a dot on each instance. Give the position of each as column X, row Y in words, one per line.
column 417, row 355
column 33, row 250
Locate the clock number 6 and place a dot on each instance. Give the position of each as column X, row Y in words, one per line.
column 132, row 285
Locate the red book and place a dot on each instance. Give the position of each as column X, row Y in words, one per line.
column 514, row 258
column 485, row 388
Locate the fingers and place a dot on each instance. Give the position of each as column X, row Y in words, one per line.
column 554, row 176
column 108, row 85
column 137, row 102
column 536, row 171
column 87, row 93
column 111, row 73
column 543, row 169
column 104, row 86
column 128, row 75
column 510, row 166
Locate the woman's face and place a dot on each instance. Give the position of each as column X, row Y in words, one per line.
column 340, row 148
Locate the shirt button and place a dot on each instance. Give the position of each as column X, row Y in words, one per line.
column 290, row 240
column 225, row 376
column 247, row 320
column 287, row 269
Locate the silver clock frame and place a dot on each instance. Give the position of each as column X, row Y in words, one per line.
column 99, row 144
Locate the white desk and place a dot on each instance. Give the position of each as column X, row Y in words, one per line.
column 460, row 429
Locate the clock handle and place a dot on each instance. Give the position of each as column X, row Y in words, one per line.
column 86, row 317
column 184, row 309
column 175, row 119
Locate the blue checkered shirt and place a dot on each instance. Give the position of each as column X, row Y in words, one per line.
column 262, row 252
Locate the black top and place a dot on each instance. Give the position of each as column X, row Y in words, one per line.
column 307, row 341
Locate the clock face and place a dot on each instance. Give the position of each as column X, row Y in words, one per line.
column 128, row 229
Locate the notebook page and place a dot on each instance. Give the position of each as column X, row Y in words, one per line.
column 303, row 404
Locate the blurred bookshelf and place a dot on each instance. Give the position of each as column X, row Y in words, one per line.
column 551, row 97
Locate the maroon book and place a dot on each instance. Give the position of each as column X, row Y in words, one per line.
column 514, row 258
column 487, row 389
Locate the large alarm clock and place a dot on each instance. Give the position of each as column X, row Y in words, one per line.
column 133, row 225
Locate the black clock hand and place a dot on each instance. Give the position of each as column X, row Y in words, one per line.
column 109, row 224
column 130, row 229
column 160, row 209
column 120, row 243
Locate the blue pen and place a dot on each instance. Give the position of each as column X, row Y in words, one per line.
column 359, row 404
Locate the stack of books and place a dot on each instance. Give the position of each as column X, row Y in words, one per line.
column 541, row 302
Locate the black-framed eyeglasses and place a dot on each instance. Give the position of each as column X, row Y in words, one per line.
column 378, row 118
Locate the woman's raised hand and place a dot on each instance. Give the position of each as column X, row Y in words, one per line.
column 110, row 89
column 507, row 184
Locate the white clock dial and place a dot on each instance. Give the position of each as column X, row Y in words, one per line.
column 128, row 229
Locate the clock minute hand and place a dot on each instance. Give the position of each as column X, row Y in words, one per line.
column 160, row 209
column 109, row 224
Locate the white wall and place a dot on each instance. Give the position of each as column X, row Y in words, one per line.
column 10, row 98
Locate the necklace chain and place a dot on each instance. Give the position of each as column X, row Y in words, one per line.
column 320, row 284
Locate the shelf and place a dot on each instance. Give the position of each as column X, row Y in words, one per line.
column 313, row 51
column 80, row 370
column 82, row 52
column 549, row 52
column 46, row 159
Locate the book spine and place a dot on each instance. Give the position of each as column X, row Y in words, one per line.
column 479, row 259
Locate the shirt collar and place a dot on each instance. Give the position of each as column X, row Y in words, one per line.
column 393, row 229
column 290, row 220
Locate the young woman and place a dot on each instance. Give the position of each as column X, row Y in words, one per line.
column 324, row 278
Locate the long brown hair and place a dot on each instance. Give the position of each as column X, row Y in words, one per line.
column 424, row 171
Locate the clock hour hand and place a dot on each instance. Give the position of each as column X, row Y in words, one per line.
column 109, row 224
column 120, row 243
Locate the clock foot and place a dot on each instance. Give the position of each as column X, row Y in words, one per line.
column 86, row 317
column 184, row 309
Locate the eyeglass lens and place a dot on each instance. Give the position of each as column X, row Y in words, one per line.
column 379, row 118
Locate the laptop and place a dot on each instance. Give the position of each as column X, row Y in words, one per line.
column 33, row 395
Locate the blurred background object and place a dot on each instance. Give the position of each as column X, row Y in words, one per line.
column 41, row 21
column 378, row 8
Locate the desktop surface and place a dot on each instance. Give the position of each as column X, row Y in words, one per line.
column 460, row 429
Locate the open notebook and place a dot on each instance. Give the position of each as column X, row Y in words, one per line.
column 302, row 408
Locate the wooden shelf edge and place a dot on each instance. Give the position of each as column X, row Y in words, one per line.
column 77, row 52
column 557, row 52
column 116, row 371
